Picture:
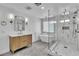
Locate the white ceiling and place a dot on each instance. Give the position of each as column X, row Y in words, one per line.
column 55, row 8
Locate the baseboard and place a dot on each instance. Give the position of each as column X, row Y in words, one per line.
column 4, row 51
column 37, row 41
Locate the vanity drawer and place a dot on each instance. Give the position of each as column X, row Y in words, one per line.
column 26, row 39
column 29, row 39
column 23, row 43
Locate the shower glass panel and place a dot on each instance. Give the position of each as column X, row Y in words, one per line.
column 52, row 33
column 51, row 27
column 62, row 35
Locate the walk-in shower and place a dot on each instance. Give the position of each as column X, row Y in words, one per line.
column 65, row 35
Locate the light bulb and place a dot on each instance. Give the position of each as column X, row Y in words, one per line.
column 11, row 16
column 26, row 19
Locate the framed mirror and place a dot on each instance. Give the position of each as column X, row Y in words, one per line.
column 19, row 23
column 3, row 23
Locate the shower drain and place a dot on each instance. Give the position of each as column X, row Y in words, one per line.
column 65, row 47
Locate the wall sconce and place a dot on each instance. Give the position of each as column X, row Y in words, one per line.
column 11, row 17
column 26, row 20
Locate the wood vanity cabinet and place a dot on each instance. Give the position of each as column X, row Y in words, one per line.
column 20, row 42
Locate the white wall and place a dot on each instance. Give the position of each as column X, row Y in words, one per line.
column 37, row 29
column 32, row 27
column 4, row 30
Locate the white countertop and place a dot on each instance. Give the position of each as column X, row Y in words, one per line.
column 14, row 34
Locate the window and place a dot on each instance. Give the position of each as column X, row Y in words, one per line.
column 48, row 26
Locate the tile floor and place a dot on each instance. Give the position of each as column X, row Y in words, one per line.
column 37, row 49
column 41, row 49
column 66, row 49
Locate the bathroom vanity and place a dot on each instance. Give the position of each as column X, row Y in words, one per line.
column 19, row 41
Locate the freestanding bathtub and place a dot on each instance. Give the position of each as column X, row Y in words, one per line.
column 46, row 38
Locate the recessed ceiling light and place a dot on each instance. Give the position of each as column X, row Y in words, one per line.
column 42, row 8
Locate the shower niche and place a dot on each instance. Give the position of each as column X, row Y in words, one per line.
column 65, row 27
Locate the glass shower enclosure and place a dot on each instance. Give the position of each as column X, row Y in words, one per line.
column 62, row 35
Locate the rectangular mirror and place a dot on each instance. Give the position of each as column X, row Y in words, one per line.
column 19, row 23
